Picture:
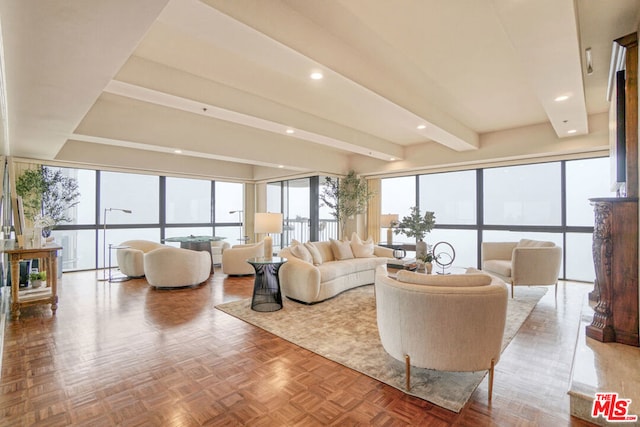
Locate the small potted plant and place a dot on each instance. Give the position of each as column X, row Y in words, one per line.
column 417, row 225
column 428, row 258
column 37, row 278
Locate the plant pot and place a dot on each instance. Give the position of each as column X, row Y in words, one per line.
column 36, row 283
column 428, row 267
column 421, row 248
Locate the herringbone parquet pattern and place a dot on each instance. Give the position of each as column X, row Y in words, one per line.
column 125, row 354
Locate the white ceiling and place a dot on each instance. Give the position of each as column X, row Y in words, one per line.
column 94, row 81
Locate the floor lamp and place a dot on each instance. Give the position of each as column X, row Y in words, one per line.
column 268, row 223
column 104, row 241
column 239, row 212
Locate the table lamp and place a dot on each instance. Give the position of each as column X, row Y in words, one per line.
column 268, row 223
column 388, row 221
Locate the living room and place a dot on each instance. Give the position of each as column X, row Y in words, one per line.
column 195, row 115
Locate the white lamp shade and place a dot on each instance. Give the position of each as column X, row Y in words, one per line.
column 268, row 223
column 387, row 219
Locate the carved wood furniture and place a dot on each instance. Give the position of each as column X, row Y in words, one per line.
column 615, row 255
column 45, row 295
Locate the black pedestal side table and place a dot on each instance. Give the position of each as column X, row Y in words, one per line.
column 266, row 289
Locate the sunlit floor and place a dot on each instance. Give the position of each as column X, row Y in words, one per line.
column 127, row 354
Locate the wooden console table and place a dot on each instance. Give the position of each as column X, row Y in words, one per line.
column 44, row 295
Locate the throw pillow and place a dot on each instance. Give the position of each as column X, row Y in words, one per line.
column 301, row 252
column 315, row 253
column 450, row 280
column 361, row 249
column 341, row 250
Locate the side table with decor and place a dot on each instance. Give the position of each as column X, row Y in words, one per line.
column 44, row 295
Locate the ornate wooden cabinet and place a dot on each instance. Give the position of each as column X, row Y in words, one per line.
column 615, row 256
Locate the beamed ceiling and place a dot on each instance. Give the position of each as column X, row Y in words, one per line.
column 211, row 87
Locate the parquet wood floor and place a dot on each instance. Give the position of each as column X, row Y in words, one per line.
column 125, row 354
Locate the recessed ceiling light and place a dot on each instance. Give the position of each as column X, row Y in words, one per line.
column 290, row 131
column 392, row 159
column 316, row 75
column 177, row 151
column 572, row 131
column 561, row 98
column 280, row 166
column 422, row 127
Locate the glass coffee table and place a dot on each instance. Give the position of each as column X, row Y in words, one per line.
column 266, row 289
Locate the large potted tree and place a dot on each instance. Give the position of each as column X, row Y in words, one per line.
column 47, row 195
column 417, row 225
column 346, row 197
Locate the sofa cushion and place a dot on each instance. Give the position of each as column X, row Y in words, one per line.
column 301, row 252
column 450, row 280
column 341, row 249
column 334, row 269
column 324, row 248
column 361, row 249
column 527, row 243
column 315, row 253
column 502, row 267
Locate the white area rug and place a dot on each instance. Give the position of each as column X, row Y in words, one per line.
column 344, row 329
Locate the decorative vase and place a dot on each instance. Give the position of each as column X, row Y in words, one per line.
column 46, row 232
column 428, row 267
column 36, row 283
column 420, row 267
column 421, row 248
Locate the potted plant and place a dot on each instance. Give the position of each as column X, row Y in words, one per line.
column 417, row 225
column 428, row 258
column 346, row 197
column 37, row 278
column 47, row 195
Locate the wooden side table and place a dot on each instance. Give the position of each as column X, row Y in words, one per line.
column 45, row 295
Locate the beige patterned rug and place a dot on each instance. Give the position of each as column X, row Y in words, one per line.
column 344, row 329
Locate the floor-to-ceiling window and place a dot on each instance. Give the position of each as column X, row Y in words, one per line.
column 452, row 196
column 78, row 238
column 546, row 201
column 141, row 206
column 229, row 211
column 305, row 218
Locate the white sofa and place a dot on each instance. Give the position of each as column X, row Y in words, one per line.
column 234, row 259
column 170, row 267
column 527, row 262
column 445, row 322
column 131, row 259
column 315, row 271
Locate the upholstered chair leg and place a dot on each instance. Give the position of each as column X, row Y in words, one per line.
column 491, row 370
column 556, row 290
column 407, row 362
column 512, row 289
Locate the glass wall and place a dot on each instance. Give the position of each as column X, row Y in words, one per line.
column 398, row 196
column 546, row 201
column 305, row 218
column 523, row 195
column 160, row 207
column 187, row 201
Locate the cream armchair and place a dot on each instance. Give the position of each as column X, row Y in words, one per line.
column 169, row 267
column 451, row 322
column 217, row 248
column 131, row 259
column 527, row 262
column 234, row 259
